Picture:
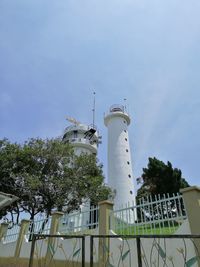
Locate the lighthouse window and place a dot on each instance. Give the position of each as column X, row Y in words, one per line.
column 124, row 121
column 126, row 139
column 129, row 176
column 125, row 131
column 128, row 162
column 131, row 192
column 126, row 150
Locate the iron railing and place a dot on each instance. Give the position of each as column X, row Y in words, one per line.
column 118, row 250
column 79, row 221
column 77, row 251
column 152, row 215
column 12, row 234
column 41, row 226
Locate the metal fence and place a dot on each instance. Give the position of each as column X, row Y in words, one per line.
column 74, row 222
column 76, row 257
column 152, row 215
column 79, row 221
column 12, row 234
column 41, row 226
column 116, row 250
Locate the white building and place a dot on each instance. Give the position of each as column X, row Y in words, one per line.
column 84, row 139
column 120, row 173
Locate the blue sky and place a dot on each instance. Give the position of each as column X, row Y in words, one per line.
column 54, row 54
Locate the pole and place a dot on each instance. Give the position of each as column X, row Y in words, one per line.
column 93, row 110
column 32, row 251
column 139, row 252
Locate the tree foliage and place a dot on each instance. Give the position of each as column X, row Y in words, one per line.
column 161, row 178
column 47, row 175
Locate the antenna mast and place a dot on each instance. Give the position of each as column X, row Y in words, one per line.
column 125, row 104
column 93, row 111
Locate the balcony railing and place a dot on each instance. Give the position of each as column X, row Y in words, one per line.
column 117, row 108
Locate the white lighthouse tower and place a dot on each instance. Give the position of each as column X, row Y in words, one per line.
column 120, row 174
column 84, row 138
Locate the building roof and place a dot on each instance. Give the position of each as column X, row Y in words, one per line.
column 6, row 200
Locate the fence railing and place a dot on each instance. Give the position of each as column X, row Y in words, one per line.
column 75, row 222
column 152, row 215
column 115, row 250
column 41, row 226
column 12, row 234
column 79, row 221
column 74, row 255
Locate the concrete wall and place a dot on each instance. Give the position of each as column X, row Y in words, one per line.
column 154, row 252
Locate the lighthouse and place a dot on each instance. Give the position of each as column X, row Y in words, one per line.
column 84, row 138
column 120, row 173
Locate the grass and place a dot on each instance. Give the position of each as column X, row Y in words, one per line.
column 146, row 229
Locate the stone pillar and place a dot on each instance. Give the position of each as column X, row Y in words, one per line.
column 23, row 230
column 51, row 240
column 3, row 230
column 105, row 208
column 191, row 196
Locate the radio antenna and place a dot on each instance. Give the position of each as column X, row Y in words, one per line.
column 125, row 104
column 93, row 110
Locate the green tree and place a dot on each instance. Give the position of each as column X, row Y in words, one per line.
column 161, row 178
column 8, row 181
column 46, row 175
